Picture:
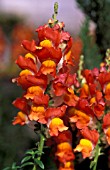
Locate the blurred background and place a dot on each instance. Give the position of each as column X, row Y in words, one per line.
column 87, row 21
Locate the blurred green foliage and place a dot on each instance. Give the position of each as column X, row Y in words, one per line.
column 99, row 12
column 91, row 52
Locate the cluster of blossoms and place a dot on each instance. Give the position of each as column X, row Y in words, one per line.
column 57, row 98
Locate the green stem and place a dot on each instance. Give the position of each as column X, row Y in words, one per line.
column 34, row 167
column 55, row 11
column 41, row 145
column 96, row 157
column 40, row 149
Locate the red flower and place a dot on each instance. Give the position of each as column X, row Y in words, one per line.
column 21, row 103
column 64, row 152
column 55, row 112
column 80, row 118
column 106, row 126
column 91, row 135
column 27, row 62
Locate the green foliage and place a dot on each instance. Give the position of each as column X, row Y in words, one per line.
column 99, row 12
column 92, row 57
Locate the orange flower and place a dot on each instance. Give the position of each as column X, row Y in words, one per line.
column 85, row 146
column 67, row 166
column 56, row 125
column 64, row 152
column 106, row 126
column 91, row 135
column 70, row 98
column 37, row 114
column 107, row 92
column 107, row 132
column 21, row 119
column 80, row 118
column 84, row 91
column 33, row 91
column 48, row 67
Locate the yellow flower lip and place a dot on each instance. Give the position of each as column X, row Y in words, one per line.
column 25, row 72
column 29, row 55
column 85, row 142
column 46, row 43
column 35, row 89
column 64, row 146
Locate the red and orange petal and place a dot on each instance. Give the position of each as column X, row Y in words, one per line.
column 33, row 91
column 21, row 103
column 91, row 135
column 106, row 121
column 59, row 89
column 69, row 45
column 48, row 53
column 48, row 67
column 64, row 152
column 56, row 125
column 65, row 136
column 37, row 114
column 89, row 76
column 85, row 107
column 107, row 132
column 99, row 110
column 80, row 118
column 76, row 52
column 85, row 146
column 55, row 112
column 104, row 78
column 69, row 58
column 21, row 119
column 29, row 45
column 41, row 100
column 26, row 81
column 84, row 91
column 62, row 81
column 66, row 166
column 27, row 62
column 46, row 32
column 70, row 98
column 107, row 92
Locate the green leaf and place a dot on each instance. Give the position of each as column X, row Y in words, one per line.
column 38, row 152
column 7, row 168
column 25, row 159
column 31, row 152
column 41, row 165
column 27, row 163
